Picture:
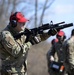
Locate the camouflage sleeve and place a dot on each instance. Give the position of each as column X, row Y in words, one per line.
column 10, row 45
column 28, row 44
column 66, row 50
column 44, row 36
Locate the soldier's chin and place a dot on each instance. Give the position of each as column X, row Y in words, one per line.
column 22, row 29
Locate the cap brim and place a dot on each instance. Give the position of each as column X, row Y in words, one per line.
column 22, row 20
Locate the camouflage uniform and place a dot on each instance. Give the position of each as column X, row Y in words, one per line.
column 69, row 51
column 13, row 52
column 58, row 53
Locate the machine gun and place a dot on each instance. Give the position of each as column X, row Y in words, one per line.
column 40, row 29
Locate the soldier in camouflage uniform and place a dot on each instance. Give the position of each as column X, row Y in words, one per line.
column 69, row 51
column 56, row 53
column 13, row 52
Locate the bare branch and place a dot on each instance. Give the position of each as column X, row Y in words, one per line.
column 44, row 8
column 36, row 5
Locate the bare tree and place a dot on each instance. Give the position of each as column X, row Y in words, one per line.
column 36, row 5
column 6, row 7
column 44, row 9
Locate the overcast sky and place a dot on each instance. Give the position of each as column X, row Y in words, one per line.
column 62, row 10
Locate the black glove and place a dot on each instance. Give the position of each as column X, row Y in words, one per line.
column 52, row 32
column 34, row 40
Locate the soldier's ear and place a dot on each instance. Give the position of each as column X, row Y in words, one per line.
column 13, row 23
column 13, row 19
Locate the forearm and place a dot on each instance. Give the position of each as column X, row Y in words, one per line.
column 44, row 36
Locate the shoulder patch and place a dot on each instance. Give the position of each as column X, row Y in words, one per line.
column 7, row 37
column 5, row 34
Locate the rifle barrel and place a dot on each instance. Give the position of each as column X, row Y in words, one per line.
column 64, row 26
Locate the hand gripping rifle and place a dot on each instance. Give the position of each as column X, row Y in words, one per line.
column 40, row 29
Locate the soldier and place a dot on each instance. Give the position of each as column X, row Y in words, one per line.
column 57, row 48
column 48, row 53
column 54, row 41
column 13, row 52
column 69, row 51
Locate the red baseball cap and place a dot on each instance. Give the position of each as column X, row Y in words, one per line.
column 61, row 33
column 54, row 41
column 19, row 17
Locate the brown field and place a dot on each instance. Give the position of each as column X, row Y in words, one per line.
column 37, row 63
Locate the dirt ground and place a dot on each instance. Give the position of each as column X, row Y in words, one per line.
column 37, row 63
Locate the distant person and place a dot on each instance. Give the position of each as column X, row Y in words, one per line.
column 13, row 52
column 57, row 48
column 54, row 41
column 69, row 51
column 48, row 53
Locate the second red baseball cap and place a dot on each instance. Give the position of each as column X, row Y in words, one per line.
column 61, row 33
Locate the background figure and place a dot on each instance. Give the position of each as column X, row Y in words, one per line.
column 69, row 51
column 57, row 48
column 48, row 53
column 54, row 41
column 14, row 50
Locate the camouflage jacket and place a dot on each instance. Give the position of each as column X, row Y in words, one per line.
column 14, row 52
column 69, row 48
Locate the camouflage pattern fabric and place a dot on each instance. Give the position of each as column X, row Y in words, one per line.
column 13, row 52
column 69, row 52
